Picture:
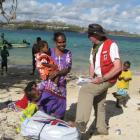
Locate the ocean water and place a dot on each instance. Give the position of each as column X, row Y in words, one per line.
column 78, row 43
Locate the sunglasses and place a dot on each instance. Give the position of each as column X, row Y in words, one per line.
column 89, row 35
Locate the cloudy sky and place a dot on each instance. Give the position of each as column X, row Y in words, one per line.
column 112, row 14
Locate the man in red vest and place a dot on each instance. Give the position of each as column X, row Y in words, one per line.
column 105, row 66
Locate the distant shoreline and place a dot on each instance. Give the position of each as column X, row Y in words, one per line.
column 111, row 34
column 58, row 26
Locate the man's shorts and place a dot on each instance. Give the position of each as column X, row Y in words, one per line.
column 4, row 63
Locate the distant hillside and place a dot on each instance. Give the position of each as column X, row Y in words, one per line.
column 56, row 26
column 42, row 26
column 123, row 33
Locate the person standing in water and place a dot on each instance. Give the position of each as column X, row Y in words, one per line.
column 4, row 55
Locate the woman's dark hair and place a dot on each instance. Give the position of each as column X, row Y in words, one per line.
column 57, row 34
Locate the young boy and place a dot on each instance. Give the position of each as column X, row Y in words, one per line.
column 123, row 85
column 23, row 102
column 4, row 55
column 33, row 95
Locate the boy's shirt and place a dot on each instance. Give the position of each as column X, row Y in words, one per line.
column 29, row 111
column 123, row 84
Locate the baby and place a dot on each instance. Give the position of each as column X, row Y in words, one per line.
column 46, row 65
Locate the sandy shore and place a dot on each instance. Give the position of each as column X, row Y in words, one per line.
column 125, row 119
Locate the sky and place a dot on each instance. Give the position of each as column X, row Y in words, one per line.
column 111, row 14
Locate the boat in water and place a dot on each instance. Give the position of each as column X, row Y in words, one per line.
column 14, row 45
column 9, row 45
column 19, row 45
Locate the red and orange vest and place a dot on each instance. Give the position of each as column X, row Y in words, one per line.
column 106, row 62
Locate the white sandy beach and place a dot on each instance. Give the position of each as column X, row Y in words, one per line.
column 125, row 119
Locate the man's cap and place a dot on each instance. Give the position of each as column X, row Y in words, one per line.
column 96, row 29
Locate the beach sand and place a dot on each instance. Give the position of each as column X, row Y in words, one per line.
column 127, row 120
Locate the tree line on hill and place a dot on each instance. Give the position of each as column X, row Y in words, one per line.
column 58, row 26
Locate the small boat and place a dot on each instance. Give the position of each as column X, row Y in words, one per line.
column 14, row 45
column 10, row 45
column 19, row 45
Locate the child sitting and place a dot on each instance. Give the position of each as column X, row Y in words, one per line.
column 33, row 95
column 122, row 85
column 23, row 102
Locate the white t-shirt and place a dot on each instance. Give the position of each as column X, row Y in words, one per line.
column 114, row 53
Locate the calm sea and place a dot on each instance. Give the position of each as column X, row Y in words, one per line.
column 78, row 43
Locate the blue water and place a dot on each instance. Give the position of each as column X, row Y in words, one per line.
column 78, row 43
